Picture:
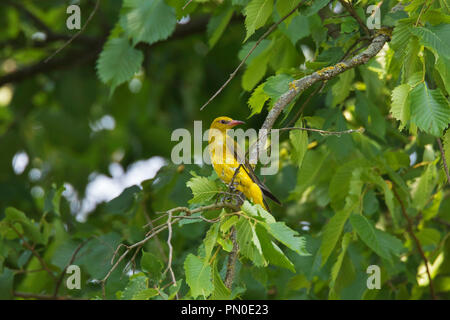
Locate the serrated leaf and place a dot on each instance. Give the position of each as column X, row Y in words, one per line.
column 400, row 104
column 290, row 238
column 249, row 245
column 271, row 251
column 148, row 21
column 202, row 188
column 137, row 283
column 210, row 240
column 256, row 14
column 228, row 223
column 257, row 211
column 435, row 38
column 430, row 110
column 257, row 99
column 118, row 62
column 198, row 276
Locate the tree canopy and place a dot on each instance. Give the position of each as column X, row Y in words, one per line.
column 358, row 89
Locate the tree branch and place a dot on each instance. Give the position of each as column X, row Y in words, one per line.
column 300, row 85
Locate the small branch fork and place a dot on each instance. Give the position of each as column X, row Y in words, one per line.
column 171, row 220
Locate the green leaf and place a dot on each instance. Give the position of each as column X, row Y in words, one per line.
column 332, row 232
column 6, row 284
column 276, row 86
column 198, row 276
column 228, row 223
column 202, row 188
column 217, row 24
column 257, row 99
column 256, row 14
column 256, row 70
column 380, row 242
column 428, row 237
column 315, row 6
column 123, row 202
column 400, row 104
column 430, row 110
column 30, row 228
column 137, row 284
column 152, row 265
column 423, row 186
column 210, row 240
column 290, row 238
column 145, row 294
column 148, row 21
column 118, row 62
column 337, row 265
column 257, row 211
column 249, row 244
column 286, row 6
column 342, row 88
column 271, row 251
column 221, row 292
column 298, row 28
column 299, row 141
column 435, row 38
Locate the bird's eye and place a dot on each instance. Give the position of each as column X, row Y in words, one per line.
column 223, row 121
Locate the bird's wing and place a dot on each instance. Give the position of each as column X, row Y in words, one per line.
column 233, row 148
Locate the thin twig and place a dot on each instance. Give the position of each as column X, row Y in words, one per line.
column 76, row 34
column 418, row 245
column 233, row 74
column 444, row 160
column 187, row 3
column 169, row 244
column 355, row 15
column 33, row 251
column 157, row 230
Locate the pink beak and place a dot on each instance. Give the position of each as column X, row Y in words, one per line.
column 235, row 123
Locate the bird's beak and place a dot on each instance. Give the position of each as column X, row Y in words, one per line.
column 233, row 123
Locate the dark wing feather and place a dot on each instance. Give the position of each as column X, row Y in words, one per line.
column 238, row 154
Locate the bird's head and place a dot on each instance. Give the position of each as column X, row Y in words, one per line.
column 224, row 123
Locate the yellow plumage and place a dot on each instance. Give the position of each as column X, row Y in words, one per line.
column 224, row 158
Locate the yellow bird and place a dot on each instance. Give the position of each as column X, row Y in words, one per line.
column 226, row 158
